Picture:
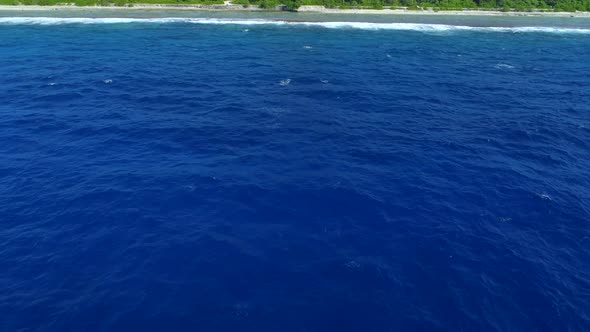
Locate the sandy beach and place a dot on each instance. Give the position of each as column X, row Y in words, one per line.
column 302, row 9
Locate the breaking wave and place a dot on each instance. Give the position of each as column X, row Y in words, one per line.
column 329, row 25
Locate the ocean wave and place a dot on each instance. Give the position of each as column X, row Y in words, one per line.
column 329, row 25
column 503, row 66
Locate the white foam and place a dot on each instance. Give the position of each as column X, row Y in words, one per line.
column 544, row 196
column 328, row 25
column 537, row 29
column 384, row 26
column 285, row 82
column 503, row 66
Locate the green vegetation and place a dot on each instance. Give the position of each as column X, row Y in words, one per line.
column 120, row 3
column 268, row 4
column 244, row 3
column 503, row 5
column 178, row 2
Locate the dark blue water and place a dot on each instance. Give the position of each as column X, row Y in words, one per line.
column 229, row 177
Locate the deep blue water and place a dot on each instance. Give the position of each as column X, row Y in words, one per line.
column 227, row 177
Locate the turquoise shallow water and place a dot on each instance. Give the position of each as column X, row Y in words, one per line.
column 237, row 175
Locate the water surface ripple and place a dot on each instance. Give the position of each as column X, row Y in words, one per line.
column 170, row 176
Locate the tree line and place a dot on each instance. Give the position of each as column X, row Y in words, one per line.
column 505, row 5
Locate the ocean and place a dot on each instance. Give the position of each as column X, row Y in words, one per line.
column 166, row 171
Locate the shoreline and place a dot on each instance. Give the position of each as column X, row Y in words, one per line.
column 466, row 12
column 302, row 9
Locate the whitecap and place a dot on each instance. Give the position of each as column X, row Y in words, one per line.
column 107, row 81
column 307, row 47
column 325, row 81
column 285, row 82
column 503, row 66
column 189, row 187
